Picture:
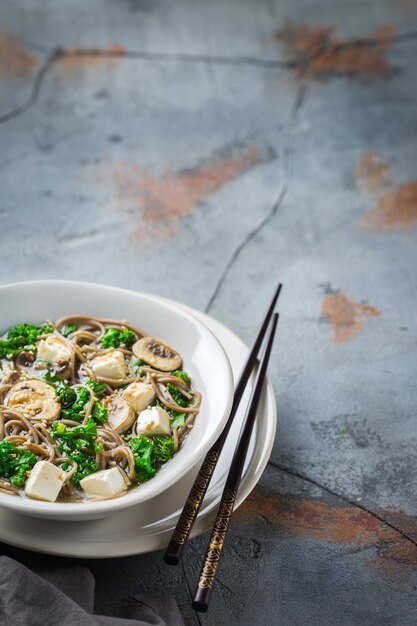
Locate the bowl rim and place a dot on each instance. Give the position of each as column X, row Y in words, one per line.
column 89, row 508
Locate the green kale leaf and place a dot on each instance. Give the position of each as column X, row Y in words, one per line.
column 163, row 449
column 76, row 437
column 142, row 449
column 150, row 453
column 86, row 465
column 68, row 329
column 15, row 464
column 22, row 338
column 79, row 444
column 135, row 367
column 76, row 411
column 176, row 395
column 183, row 375
column 99, row 413
column 177, row 419
column 75, row 401
column 113, row 338
column 98, row 387
column 67, row 395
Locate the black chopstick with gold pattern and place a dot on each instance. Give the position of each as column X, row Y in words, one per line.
column 198, row 491
column 227, row 502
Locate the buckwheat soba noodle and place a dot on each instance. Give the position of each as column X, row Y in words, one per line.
column 89, row 408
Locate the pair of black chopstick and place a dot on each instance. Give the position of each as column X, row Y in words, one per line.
column 198, row 491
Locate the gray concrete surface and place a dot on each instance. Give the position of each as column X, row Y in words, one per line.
column 181, row 148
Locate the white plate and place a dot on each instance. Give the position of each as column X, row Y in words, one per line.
column 147, row 527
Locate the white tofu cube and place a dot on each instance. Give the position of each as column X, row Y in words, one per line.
column 139, row 396
column 110, row 365
column 108, row 482
column 45, row 481
column 53, row 350
column 153, row 421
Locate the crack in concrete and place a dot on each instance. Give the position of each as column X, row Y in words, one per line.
column 57, row 53
column 183, row 58
column 36, row 88
column 60, row 53
column 204, row 58
column 277, row 204
column 290, row 472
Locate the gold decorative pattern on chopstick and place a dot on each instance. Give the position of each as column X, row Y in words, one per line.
column 192, row 505
column 217, row 540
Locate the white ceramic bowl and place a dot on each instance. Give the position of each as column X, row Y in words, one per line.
column 203, row 357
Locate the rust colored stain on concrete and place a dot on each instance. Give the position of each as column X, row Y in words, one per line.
column 166, row 199
column 394, row 210
column 373, row 172
column 318, row 54
column 346, row 316
column 399, row 518
column 397, row 558
column 396, row 205
column 74, row 58
column 16, row 63
column 315, row 519
column 393, row 557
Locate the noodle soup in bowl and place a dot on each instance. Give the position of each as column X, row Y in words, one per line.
column 68, row 414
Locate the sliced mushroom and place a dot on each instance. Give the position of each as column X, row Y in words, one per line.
column 121, row 415
column 157, row 354
column 6, row 371
column 35, row 399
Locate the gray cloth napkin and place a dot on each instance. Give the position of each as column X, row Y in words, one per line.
column 64, row 596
